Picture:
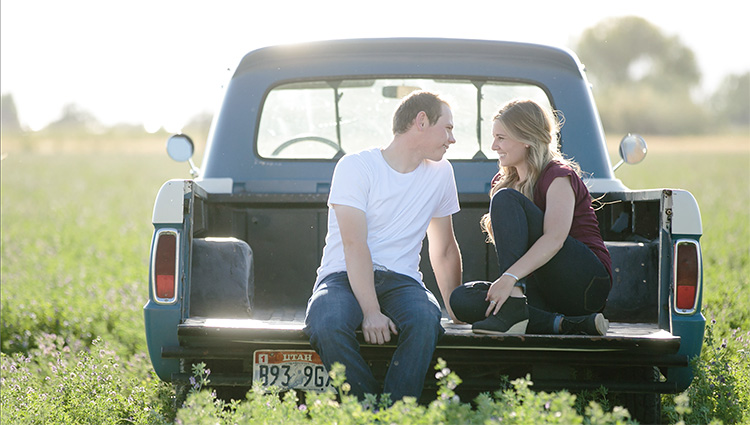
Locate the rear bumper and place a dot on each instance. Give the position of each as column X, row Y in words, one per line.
column 551, row 359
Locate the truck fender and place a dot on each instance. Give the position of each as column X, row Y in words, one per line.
column 687, row 215
column 168, row 207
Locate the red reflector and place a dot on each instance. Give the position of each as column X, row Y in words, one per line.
column 165, row 286
column 685, row 297
column 165, row 265
column 687, row 274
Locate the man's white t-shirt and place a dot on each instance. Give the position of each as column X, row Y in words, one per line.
column 398, row 208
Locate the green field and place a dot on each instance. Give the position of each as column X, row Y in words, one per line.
column 75, row 238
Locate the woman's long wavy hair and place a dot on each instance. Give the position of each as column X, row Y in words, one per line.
column 531, row 124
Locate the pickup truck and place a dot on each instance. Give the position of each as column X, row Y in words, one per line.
column 235, row 249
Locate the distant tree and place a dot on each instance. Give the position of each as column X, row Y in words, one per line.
column 731, row 102
column 74, row 119
column 9, row 123
column 200, row 123
column 197, row 128
column 642, row 78
column 632, row 50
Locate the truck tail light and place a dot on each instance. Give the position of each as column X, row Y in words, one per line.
column 687, row 275
column 164, row 265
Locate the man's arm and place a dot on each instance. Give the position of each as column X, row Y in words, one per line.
column 445, row 258
column 376, row 326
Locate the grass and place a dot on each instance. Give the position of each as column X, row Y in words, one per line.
column 73, row 265
column 75, row 232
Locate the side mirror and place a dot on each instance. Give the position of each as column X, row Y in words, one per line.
column 633, row 150
column 180, row 148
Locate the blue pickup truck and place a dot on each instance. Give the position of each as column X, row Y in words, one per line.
column 235, row 249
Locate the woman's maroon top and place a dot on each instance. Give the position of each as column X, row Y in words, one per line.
column 585, row 226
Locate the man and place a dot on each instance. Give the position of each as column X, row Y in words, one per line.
column 381, row 205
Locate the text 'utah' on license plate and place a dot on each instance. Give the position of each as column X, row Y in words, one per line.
column 287, row 369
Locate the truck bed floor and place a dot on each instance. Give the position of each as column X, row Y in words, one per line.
column 286, row 328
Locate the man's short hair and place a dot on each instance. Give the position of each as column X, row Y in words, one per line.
column 413, row 104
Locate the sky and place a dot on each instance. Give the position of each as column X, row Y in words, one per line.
column 161, row 62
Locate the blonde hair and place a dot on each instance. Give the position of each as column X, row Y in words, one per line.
column 531, row 124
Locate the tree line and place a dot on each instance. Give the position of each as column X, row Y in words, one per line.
column 643, row 82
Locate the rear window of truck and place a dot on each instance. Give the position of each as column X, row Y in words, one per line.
column 326, row 119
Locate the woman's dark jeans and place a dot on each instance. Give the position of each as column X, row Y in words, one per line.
column 574, row 282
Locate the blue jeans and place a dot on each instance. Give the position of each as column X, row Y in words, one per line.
column 574, row 282
column 333, row 316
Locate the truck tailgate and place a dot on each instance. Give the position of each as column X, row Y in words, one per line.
column 285, row 328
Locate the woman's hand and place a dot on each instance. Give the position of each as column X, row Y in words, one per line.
column 498, row 293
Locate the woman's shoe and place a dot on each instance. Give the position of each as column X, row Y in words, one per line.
column 512, row 318
column 593, row 324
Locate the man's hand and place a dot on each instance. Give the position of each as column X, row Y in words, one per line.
column 377, row 328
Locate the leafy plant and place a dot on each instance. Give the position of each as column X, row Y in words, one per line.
column 721, row 387
column 516, row 405
column 58, row 383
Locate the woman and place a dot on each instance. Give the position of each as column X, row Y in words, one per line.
column 546, row 236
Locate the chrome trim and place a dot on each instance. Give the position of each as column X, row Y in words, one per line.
column 698, row 284
column 157, row 235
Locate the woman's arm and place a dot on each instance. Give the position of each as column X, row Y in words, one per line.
column 558, row 219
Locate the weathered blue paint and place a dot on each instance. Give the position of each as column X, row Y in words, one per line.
column 161, row 331
column 690, row 329
column 230, row 151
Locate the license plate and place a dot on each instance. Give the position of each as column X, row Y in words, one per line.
column 286, row 369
